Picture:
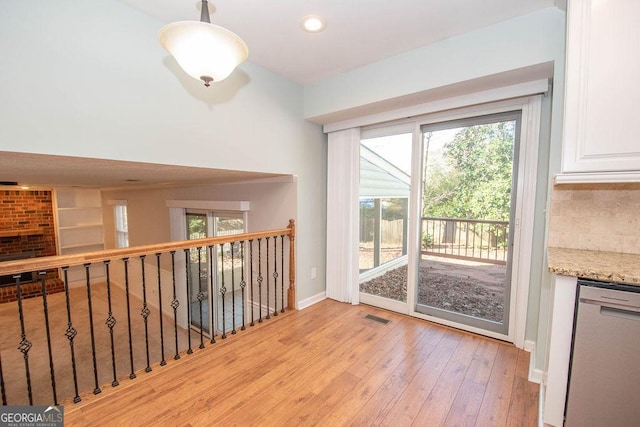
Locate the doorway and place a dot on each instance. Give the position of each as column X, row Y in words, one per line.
column 469, row 178
column 228, row 271
column 226, row 268
column 385, row 189
column 503, row 246
column 198, row 270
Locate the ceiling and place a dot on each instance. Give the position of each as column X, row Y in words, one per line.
column 45, row 171
column 359, row 32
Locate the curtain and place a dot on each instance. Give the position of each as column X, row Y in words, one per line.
column 343, row 174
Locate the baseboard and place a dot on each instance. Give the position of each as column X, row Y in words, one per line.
column 535, row 375
column 529, row 346
column 308, row 302
column 543, row 389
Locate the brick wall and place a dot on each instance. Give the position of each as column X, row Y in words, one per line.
column 27, row 210
column 30, row 290
column 30, row 214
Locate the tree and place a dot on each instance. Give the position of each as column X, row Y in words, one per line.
column 475, row 180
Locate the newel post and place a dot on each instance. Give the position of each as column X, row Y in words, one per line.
column 291, row 295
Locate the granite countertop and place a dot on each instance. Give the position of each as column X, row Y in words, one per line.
column 606, row 266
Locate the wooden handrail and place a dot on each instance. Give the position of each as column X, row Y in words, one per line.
column 291, row 296
column 58, row 261
column 138, row 288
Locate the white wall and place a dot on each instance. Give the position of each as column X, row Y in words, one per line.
column 518, row 43
column 472, row 61
column 90, row 79
column 272, row 205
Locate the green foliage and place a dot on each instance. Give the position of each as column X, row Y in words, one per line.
column 196, row 226
column 475, row 181
column 394, row 208
column 427, row 240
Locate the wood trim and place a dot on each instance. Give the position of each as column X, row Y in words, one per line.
column 23, row 232
column 523, row 229
column 240, row 206
column 529, row 88
column 561, row 321
column 596, row 177
column 51, row 262
column 291, row 294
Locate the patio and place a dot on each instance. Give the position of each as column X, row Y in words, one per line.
column 467, row 287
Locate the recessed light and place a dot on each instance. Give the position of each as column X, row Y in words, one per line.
column 313, row 23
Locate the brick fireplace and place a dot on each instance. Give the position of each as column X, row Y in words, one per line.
column 27, row 230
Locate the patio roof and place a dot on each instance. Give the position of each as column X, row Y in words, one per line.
column 381, row 178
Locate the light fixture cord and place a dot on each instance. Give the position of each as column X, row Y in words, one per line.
column 204, row 12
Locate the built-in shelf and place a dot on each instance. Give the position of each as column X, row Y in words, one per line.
column 75, row 227
column 20, row 233
column 80, row 227
column 98, row 246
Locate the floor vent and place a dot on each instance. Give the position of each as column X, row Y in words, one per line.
column 377, row 319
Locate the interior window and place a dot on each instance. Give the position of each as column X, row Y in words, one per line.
column 122, row 226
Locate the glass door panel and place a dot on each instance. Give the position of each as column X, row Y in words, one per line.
column 469, row 171
column 198, row 273
column 385, row 185
column 228, row 271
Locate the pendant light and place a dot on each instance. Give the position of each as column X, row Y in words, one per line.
column 205, row 51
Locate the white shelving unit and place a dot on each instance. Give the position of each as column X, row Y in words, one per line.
column 79, row 227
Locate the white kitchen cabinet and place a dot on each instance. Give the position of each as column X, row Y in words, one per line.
column 602, row 100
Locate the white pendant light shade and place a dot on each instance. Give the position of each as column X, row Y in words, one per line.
column 205, row 51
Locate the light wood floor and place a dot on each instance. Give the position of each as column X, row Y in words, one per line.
column 328, row 365
column 13, row 362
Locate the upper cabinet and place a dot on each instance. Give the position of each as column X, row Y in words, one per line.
column 602, row 99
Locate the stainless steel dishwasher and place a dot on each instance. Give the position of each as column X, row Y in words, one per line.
column 604, row 379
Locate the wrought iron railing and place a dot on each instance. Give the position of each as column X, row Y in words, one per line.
column 85, row 351
column 471, row 239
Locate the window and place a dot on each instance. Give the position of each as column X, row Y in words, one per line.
column 122, row 225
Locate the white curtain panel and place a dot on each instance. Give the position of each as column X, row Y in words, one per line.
column 343, row 175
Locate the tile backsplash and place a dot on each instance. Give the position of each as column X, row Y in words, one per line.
column 596, row 217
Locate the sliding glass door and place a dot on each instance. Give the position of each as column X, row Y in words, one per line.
column 226, row 271
column 198, row 268
column 441, row 225
column 469, row 175
column 385, row 187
